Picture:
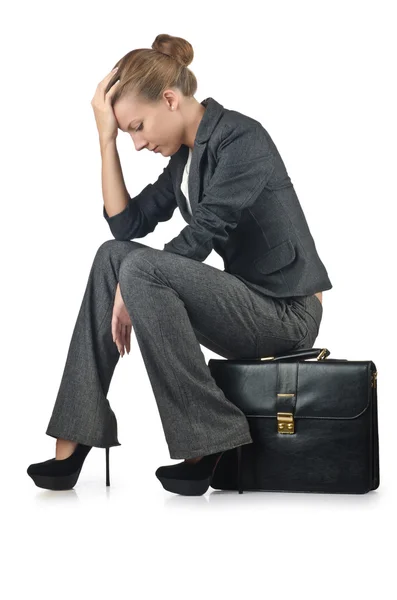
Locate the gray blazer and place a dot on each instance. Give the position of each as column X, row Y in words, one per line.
column 244, row 207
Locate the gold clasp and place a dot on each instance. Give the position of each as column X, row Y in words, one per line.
column 285, row 422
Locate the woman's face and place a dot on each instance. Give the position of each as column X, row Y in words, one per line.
column 151, row 125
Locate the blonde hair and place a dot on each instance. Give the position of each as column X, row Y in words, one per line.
column 147, row 72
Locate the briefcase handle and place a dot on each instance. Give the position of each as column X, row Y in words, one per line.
column 302, row 353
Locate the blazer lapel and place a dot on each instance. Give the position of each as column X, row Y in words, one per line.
column 195, row 180
column 210, row 118
column 180, row 197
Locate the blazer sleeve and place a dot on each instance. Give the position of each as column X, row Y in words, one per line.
column 155, row 203
column 245, row 164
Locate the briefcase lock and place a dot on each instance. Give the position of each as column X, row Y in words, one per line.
column 285, row 422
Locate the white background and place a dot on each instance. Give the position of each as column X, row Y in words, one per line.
column 319, row 76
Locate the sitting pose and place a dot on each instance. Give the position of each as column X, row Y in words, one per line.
column 232, row 188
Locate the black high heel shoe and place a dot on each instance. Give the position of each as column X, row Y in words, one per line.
column 62, row 474
column 193, row 479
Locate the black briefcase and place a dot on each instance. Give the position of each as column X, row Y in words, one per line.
column 314, row 423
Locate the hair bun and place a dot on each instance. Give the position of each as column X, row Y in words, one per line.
column 175, row 47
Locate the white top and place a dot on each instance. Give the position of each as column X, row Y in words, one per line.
column 185, row 178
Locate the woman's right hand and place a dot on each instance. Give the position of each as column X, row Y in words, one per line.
column 103, row 110
column 121, row 324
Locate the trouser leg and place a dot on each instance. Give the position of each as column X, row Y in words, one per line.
column 164, row 295
column 82, row 412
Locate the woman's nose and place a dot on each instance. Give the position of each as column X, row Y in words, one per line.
column 138, row 145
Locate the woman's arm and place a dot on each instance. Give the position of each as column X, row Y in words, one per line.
column 127, row 217
column 141, row 213
column 115, row 194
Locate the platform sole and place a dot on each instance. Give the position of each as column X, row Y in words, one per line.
column 186, row 487
column 64, row 482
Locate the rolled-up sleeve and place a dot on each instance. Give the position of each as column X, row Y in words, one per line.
column 245, row 164
column 154, row 204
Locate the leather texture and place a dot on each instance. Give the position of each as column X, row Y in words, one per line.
column 334, row 448
column 244, row 206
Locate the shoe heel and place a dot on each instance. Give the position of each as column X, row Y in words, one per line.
column 239, row 470
column 107, row 467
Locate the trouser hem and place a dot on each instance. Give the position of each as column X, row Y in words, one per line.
column 82, row 439
column 210, row 449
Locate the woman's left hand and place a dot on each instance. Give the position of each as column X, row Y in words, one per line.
column 121, row 324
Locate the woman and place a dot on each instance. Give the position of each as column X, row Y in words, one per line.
column 226, row 176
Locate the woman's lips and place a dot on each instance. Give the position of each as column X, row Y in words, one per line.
column 156, row 148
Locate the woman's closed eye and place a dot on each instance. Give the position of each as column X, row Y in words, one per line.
column 139, row 128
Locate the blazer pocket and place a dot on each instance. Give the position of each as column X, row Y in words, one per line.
column 276, row 258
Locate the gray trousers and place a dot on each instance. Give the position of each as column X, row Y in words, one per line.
column 175, row 304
